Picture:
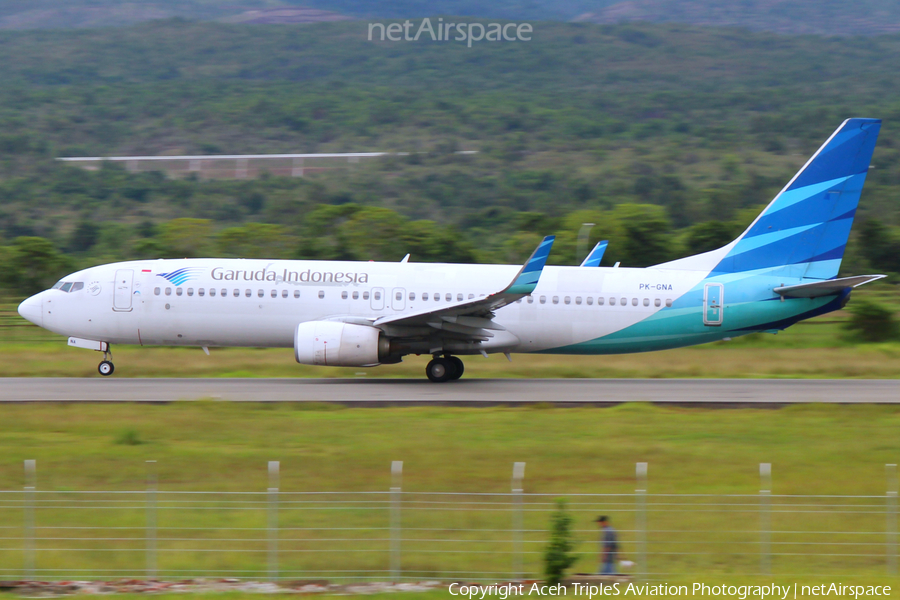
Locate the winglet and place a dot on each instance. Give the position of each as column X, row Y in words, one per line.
column 527, row 279
column 593, row 259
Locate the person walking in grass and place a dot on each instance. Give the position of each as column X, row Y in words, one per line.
column 609, row 547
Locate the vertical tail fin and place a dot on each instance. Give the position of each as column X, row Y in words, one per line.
column 804, row 230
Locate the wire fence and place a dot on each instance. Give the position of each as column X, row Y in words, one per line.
column 398, row 535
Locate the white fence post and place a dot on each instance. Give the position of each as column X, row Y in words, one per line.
column 765, row 518
column 396, row 482
column 151, row 519
column 30, row 486
column 891, row 519
column 518, row 476
column 273, row 519
column 640, row 491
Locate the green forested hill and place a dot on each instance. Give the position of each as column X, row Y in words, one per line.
column 669, row 134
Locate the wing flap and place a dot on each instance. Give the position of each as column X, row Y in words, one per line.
column 474, row 316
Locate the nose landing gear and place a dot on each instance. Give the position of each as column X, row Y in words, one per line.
column 444, row 368
column 106, row 367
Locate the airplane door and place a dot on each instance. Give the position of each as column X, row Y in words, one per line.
column 713, row 304
column 122, row 293
column 377, row 299
column 398, row 299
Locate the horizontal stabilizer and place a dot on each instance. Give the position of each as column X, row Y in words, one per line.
column 825, row 288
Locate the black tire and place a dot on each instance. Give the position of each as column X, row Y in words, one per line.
column 460, row 368
column 439, row 370
column 106, row 368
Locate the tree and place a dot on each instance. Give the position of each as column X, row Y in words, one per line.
column 710, row 235
column 558, row 556
column 255, row 240
column 645, row 236
column 872, row 322
column 34, row 264
column 185, row 238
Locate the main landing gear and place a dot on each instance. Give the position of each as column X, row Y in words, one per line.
column 106, row 367
column 444, row 368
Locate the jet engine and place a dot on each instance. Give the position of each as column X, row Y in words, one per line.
column 337, row 344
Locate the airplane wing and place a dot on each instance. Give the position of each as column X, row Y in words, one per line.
column 824, row 288
column 471, row 319
column 593, row 259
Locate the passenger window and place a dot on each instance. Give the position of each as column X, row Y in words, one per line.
column 623, row 301
column 600, row 301
column 249, row 293
column 471, row 296
column 212, row 292
column 284, row 293
column 156, row 291
column 66, row 287
column 577, row 299
column 634, row 301
column 656, row 302
column 612, row 301
column 568, row 300
column 78, row 285
column 201, row 292
column 459, row 297
column 321, row 294
column 190, row 291
column 668, row 302
column 399, row 295
column 296, row 293
column 437, row 296
column 424, row 296
column 377, row 295
column 356, row 295
column 448, row 297
column 260, row 293
column 365, row 295
column 178, row 291
column 225, row 292
column 168, row 291
column 519, row 301
column 274, row 293
column 530, row 299
column 237, row 293
column 343, row 295
column 555, row 299
column 543, row 299
column 646, row 301
column 589, row 300
column 412, row 295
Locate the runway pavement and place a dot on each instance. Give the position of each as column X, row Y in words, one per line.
column 466, row 392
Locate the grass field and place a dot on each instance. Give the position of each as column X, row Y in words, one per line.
column 224, row 447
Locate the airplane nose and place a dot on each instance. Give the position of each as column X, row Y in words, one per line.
column 33, row 310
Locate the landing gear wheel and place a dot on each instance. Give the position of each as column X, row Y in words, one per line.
column 458, row 366
column 440, row 370
column 106, row 368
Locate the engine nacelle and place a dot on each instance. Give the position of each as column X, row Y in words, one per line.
column 337, row 344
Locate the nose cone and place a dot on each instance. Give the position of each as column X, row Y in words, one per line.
column 33, row 310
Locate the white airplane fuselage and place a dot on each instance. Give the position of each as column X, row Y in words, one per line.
column 242, row 302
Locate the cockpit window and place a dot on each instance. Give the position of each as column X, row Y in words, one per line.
column 68, row 286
